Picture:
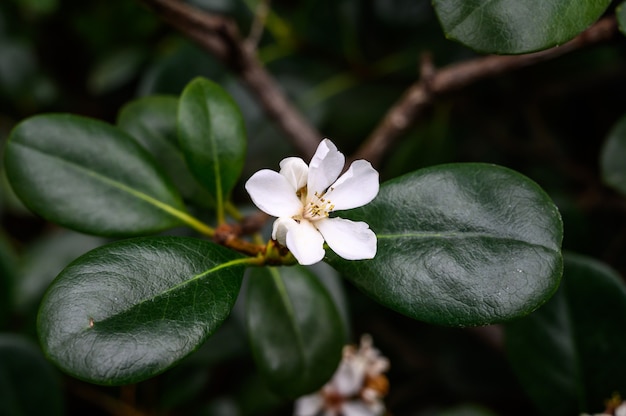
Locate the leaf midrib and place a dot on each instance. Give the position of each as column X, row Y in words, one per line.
column 169, row 209
column 460, row 235
column 228, row 264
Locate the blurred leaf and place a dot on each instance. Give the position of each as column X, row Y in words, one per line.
column 516, row 26
column 295, row 329
column 115, row 70
column 44, row 260
column 620, row 13
column 42, row 7
column 152, row 122
column 129, row 310
column 18, row 66
column 89, row 176
column 212, row 135
column 569, row 355
column 29, row 386
column 8, row 265
column 182, row 62
column 461, row 244
column 613, row 156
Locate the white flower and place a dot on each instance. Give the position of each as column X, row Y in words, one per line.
column 356, row 388
column 302, row 197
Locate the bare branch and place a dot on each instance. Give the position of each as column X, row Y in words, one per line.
column 434, row 83
column 219, row 36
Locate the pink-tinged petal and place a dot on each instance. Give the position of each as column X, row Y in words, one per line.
column 325, row 167
column 355, row 188
column 295, row 170
column 304, row 241
column 273, row 194
column 349, row 239
column 309, row 405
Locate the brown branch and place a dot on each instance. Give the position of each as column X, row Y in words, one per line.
column 423, row 93
column 219, row 36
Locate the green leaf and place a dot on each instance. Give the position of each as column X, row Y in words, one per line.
column 295, row 329
column 613, row 155
column 152, row 122
column 569, row 355
column 461, row 244
column 620, row 14
column 29, row 386
column 129, row 310
column 89, row 176
column 212, row 135
column 516, row 26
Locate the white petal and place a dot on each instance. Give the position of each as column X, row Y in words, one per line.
column 280, row 228
column 325, row 167
column 357, row 408
column 309, row 405
column 358, row 186
column 273, row 194
column 351, row 240
column 304, row 241
column 295, row 170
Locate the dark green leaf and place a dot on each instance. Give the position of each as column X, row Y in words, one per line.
column 29, row 386
column 212, row 135
column 295, row 329
column 43, row 261
column 462, row 244
column 613, row 155
column 152, row 122
column 516, row 26
column 8, row 265
column 89, row 176
column 129, row 310
column 569, row 355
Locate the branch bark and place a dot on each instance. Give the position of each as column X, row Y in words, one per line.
column 434, row 83
column 219, row 36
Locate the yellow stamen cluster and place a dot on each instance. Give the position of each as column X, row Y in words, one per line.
column 318, row 207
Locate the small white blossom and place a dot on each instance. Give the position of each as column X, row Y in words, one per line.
column 302, row 197
column 356, row 389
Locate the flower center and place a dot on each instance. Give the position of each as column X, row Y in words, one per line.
column 317, row 207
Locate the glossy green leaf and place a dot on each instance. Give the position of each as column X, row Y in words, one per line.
column 295, row 329
column 212, row 135
column 516, row 26
column 129, row 310
column 89, row 176
column 29, row 386
column 569, row 355
column 152, row 122
column 461, row 244
column 613, row 156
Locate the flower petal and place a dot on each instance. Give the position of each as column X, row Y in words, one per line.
column 295, row 170
column 358, row 186
column 273, row 194
column 359, row 408
column 309, row 405
column 301, row 238
column 325, row 167
column 349, row 239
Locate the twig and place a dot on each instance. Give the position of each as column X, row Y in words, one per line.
column 422, row 94
column 219, row 36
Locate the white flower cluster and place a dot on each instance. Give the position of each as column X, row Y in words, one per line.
column 302, row 197
column 356, row 389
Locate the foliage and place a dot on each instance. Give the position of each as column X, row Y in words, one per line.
column 184, row 290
